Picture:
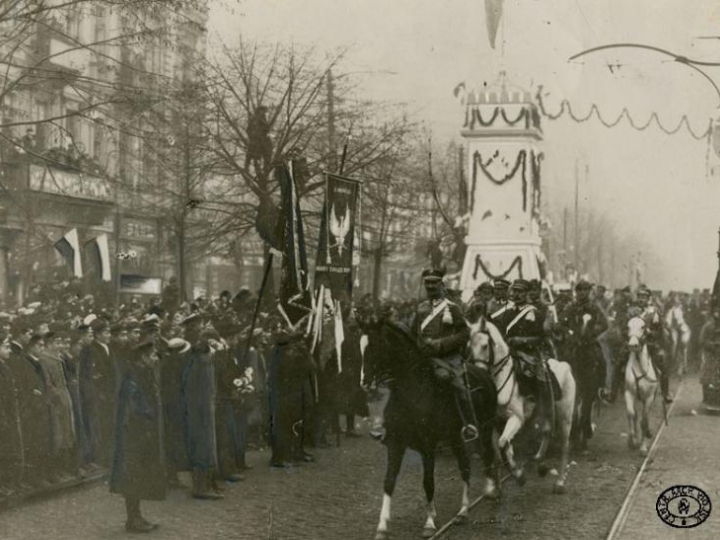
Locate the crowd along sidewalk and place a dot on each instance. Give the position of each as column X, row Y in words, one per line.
column 686, row 455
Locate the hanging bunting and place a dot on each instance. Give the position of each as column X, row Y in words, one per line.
column 480, row 265
column 493, row 13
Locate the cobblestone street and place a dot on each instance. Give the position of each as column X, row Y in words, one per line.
column 339, row 497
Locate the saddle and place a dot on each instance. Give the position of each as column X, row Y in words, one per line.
column 529, row 370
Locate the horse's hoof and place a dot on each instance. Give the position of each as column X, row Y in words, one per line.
column 428, row 532
column 461, row 519
column 381, row 535
column 559, row 489
column 543, row 470
column 493, row 495
column 521, row 479
column 631, row 444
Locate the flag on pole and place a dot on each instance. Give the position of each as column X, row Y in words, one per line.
column 337, row 234
column 101, row 256
column 69, row 248
column 493, row 13
column 294, row 296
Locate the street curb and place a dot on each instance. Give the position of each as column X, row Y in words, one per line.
column 51, row 490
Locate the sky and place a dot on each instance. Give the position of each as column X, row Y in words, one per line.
column 648, row 183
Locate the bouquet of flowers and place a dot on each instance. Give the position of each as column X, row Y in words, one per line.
column 244, row 384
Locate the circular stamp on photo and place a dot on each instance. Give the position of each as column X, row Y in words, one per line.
column 683, row 507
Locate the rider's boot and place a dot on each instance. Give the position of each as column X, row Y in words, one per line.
column 467, row 415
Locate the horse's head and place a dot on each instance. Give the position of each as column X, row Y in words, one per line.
column 486, row 343
column 394, row 349
column 636, row 333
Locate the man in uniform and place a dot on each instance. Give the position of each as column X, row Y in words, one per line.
column 500, row 302
column 586, row 323
column 442, row 334
column 655, row 331
column 524, row 334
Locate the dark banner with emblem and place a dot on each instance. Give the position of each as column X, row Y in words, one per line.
column 291, row 239
column 334, row 264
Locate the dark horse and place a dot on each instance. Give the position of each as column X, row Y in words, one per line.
column 421, row 412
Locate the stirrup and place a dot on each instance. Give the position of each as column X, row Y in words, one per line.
column 469, row 433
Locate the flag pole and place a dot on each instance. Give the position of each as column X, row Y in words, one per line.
column 268, row 266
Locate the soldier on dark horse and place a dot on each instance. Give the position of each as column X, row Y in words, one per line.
column 443, row 335
column 585, row 322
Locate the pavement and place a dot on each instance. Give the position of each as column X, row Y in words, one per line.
column 339, row 497
column 687, row 453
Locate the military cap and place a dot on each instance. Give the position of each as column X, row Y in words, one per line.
column 501, row 284
column 535, row 284
column 521, row 285
column 433, row 274
column 643, row 291
column 583, row 285
column 485, row 286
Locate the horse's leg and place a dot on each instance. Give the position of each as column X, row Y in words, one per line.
column 428, row 460
column 564, row 414
column 463, row 460
column 631, row 413
column 395, row 453
column 516, row 418
column 515, row 469
column 487, row 442
column 645, row 432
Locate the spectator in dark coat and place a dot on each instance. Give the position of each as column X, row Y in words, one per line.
column 198, row 398
column 227, row 420
column 97, row 393
column 11, row 451
column 173, row 363
column 354, row 401
column 138, row 466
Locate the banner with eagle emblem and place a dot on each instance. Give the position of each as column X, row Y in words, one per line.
column 334, row 264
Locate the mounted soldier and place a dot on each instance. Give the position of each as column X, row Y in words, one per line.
column 653, row 318
column 442, row 334
column 478, row 307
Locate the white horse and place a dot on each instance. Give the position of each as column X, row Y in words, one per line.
column 641, row 384
column 680, row 334
column 490, row 351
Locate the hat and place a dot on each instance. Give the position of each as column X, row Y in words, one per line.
column 99, row 325
column 84, row 328
column 521, row 285
column 178, row 345
column 626, row 289
column 501, row 284
column 484, row 286
column 89, row 319
column 583, row 285
column 16, row 347
column 117, row 328
column 34, row 340
column 433, row 274
column 643, row 291
column 535, row 284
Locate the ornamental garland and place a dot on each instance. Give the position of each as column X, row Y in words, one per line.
column 522, row 158
column 517, row 261
column 476, row 117
column 565, row 106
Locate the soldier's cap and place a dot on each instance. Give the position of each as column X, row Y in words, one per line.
column 501, row 284
column 583, row 285
column 643, row 291
column 178, row 345
column 535, row 284
column 520, row 285
column 433, row 275
column 484, row 286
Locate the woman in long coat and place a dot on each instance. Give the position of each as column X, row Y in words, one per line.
column 138, row 467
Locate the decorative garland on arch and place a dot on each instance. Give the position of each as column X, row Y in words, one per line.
column 535, row 160
column 479, row 264
column 475, row 117
column 477, row 160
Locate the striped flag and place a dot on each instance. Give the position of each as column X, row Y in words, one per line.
column 69, row 248
column 101, row 255
column 493, row 13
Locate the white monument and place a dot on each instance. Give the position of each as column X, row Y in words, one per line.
column 502, row 132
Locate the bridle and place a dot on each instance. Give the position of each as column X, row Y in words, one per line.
column 496, row 369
